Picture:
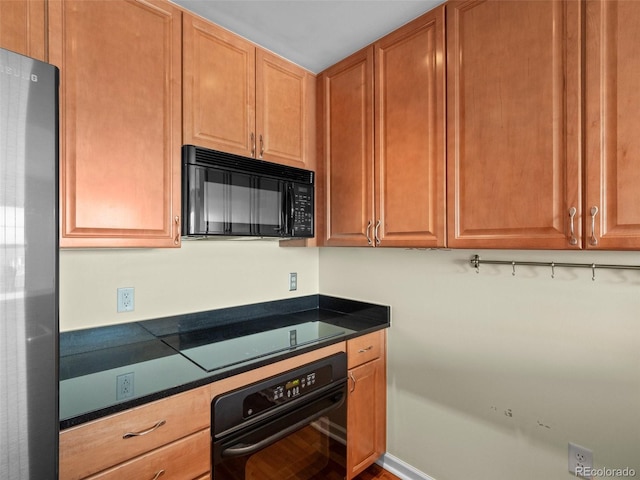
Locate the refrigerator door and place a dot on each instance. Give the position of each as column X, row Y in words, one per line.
column 28, row 268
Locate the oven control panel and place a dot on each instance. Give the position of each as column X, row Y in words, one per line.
column 255, row 402
column 285, row 391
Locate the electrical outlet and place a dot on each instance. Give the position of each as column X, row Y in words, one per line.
column 124, row 386
column 125, row 299
column 580, row 461
column 293, row 281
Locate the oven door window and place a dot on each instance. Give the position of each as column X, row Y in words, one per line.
column 231, row 203
column 307, row 443
column 308, row 454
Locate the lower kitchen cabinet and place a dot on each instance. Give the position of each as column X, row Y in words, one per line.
column 155, row 430
column 184, row 459
column 367, row 401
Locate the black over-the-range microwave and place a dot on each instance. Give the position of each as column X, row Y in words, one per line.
column 229, row 195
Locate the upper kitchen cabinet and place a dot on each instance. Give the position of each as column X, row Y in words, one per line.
column 383, row 140
column 612, row 143
column 23, row 27
column 410, row 162
column 346, row 146
column 241, row 99
column 120, row 105
column 514, row 124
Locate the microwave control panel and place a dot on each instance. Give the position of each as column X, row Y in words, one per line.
column 303, row 205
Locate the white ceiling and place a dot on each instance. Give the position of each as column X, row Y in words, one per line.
column 315, row 34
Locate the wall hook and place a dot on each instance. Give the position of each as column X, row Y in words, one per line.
column 475, row 261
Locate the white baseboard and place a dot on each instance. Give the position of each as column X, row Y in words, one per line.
column 401, row 469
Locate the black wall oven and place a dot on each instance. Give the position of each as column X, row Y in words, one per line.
column 230, row 195
column 289, row 427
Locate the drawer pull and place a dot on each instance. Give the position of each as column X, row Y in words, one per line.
column 363, row 350
column 354, row 382
column 572, row 239
column 593, row 240
column 158, row 475
column 367, row 233
column 144, row 432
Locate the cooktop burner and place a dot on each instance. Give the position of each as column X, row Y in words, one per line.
column 210, row 352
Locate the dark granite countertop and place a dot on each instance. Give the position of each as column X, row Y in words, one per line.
column 105, row 370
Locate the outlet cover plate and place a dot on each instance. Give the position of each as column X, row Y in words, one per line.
column 124, row 386
column 126, row 299
column 580, row 461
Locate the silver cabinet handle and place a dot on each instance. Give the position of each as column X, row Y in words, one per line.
column 572, row 239
column 375, row 233
column 593, row 240
column 253, row 145
column 158, row 475
column 144, row 432
column 261, row 146
column 367, row 232
column 362, row 350
column 354, row 382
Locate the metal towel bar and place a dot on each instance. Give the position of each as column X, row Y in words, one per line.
column 476, row 261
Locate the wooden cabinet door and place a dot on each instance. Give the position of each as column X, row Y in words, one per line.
column 285, row 112
column 514, row 135
column 120, row 148
column 410, row 122
column 219, row 88
column 612, row 144
column 366, row 416
column 23, row 27
column 184, row 459
column 347, row 90
column 95, row 446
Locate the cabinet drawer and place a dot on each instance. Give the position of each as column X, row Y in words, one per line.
column 365, row 348
column 95, row 446
column 182, row 460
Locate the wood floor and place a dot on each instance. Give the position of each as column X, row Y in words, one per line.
column 374, row 472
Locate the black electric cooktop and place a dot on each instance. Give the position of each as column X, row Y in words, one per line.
column 210, row 352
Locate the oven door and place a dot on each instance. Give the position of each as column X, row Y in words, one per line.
column 222, row 202
column 302, row 443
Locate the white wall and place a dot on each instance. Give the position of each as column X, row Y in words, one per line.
column 491, row 375
column 201, row 275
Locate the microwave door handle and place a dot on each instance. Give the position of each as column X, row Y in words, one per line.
column 287, row 207
column 284, row 223
column 292, row 209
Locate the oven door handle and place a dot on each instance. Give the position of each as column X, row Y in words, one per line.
column 244, row 449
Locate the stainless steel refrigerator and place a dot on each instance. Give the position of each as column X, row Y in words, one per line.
column 29, row 268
